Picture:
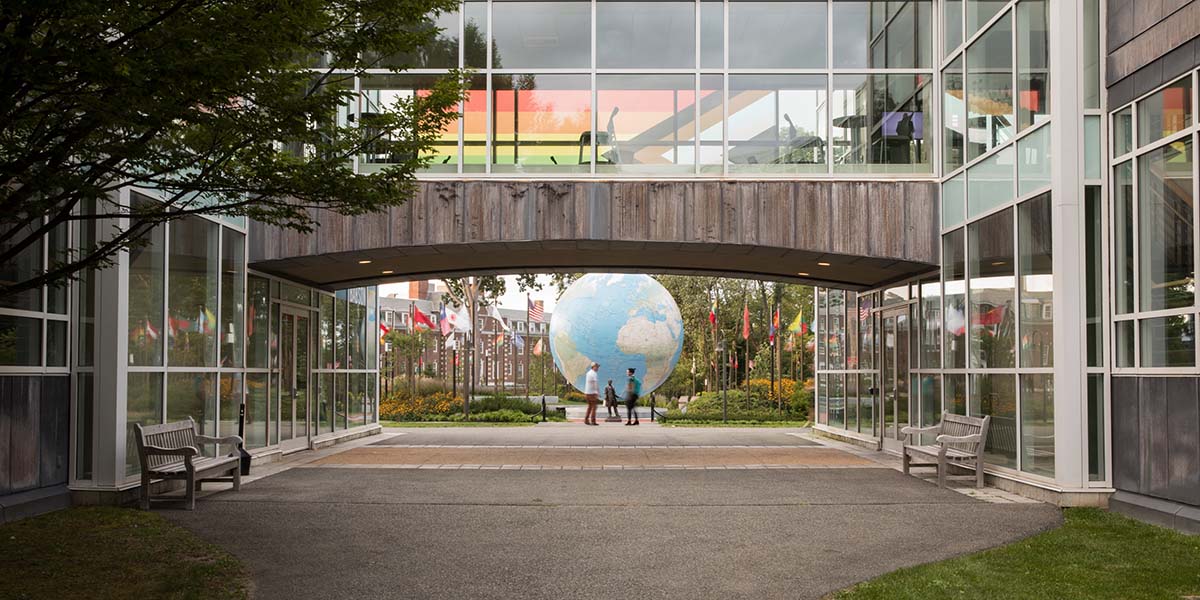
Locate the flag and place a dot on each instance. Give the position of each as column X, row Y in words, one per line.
column 451, row 342
column 774, row 327
column 151, row 332
column 444, row 321
column 991, row 317
column 798, row 326
column 750, row 365
column 500, row 338
column 864, row 310
column 419, row 318
column 519, row 342
column 383, row 330
column 537, row 310
column 206, row 322
column 537, row 348
column 457, row 320
column 712, row 313
column 745, row 321
column 494, row 312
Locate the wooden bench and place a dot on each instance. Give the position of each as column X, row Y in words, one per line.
column 172, row 451
column 960, row 440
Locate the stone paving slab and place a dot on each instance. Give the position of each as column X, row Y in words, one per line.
column 596, row 456
column 607, row 434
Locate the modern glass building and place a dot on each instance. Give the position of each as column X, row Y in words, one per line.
column 995, row 198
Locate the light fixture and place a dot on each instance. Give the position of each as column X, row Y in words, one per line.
column 364, row 262
column 999, row 263
column 802, row 274
column 388, row 272
column 822, row 264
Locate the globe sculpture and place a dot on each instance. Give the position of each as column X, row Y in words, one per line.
column 619, row 321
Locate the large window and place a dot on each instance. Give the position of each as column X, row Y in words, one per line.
column 879, row 120
column 192, row 286
column 642, row 35
column 990, row 270
column 777, row 123
column 777, row 35
column 537, row 35
column 650, row 123
column 990, row 115
column 543, row 123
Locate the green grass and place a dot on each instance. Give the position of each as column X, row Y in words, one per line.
column 688, row 423
column 1094, row 555
column 104, row 552
column 424, row 424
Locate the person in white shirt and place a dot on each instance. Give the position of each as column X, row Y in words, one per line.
column 591, row 391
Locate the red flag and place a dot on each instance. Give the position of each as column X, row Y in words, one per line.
column 537, row 348
column 419, row 318
column 383, row 330
column 745, row 321
column 712, row 313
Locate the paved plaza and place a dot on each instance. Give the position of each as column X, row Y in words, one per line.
column 568, row 511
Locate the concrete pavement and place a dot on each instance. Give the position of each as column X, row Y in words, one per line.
column 327, row 532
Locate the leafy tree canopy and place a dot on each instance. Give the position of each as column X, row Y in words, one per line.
column 218, row 106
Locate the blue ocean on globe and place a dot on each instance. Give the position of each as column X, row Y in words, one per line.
column 619, row 321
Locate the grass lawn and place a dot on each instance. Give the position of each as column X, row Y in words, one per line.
column 104, row 552
column 421, row 424
column 687, row 423
column 1094, row 555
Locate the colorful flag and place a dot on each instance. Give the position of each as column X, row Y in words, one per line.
column 444, row 321
column 864, row 310
column 712, row 313
column 537, row 310
column 798, row 326
column 774, row 327
column 537, row 348
column 419, row 318
column 499, row 338
column 383, row 330
column 151, row 332
column 494, row 312
column 745, row 321
column 210, row 321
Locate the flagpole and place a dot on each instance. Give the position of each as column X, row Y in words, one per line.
column 527, row 300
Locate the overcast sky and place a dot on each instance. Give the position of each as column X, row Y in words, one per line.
column 514, row 298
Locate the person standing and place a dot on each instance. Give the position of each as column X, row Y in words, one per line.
column 610, row 400
column 591, row 391
column 633, row 389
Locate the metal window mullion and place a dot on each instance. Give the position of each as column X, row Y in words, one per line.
column 696, row 98
column 462, row 114
column 489, row 133
column 725, row 96
column 592, row 167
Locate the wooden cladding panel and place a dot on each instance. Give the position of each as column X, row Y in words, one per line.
column 850, row 208
column 815, row 224
column 516, row 201
column 630, row 210
column 702, row 222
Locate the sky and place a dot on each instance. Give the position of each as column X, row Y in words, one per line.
column 513, row 298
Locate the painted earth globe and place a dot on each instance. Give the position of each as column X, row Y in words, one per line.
column 619, row 321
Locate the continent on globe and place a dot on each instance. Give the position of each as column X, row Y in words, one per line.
column 619, row 321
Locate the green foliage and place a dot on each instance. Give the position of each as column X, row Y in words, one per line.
column 709, row 415
column 219, row 106
column 1095, row 554
column 501, row 402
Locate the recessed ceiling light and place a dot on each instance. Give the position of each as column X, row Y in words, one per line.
column 802, row 274
column 388, row 272
column 999, row 263
column 364, row 262
column 822, row 264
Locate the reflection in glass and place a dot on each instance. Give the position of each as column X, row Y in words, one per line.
column 952, row 25
column 1037, row 282
column 712, row 123
column 1123, row 237
column 882, row 35
column 1165, row 225
column 956, row 394
column 20, row 341
column 990, row 182
column 1096, row 426
column 931, row 324
column 980, row 11
column 1122, row 131
column 991, row 271
column 1037, row 424
column 230, row 399
column 542, row 123
column 866, row 403
column 837, row 329
column 233, row 276
column 1091, row 53
column 146, row 288
column 990, row 116
column 25, row 265
column 776, row 123
column 256, row 410
column 1033, row 62
column 644, row 35
column 954, row 117
column 380, row 94
column 712, row 35
column 257, row 315
column 1166, row 112
column 849, row 345
column 822, row 397
column 837, row 402
column 474, row 126
column 1124, row 343
column 194, row 395
column 441, row 52
column 191, row 320
column 777, row 35
column 1033, row 171
column 475, row 16
column 1094, row 257
column 1169, row 341
column 56, row 343
column 866, row 332
column 954, row 200
column 954, row 274
column 143, row 407
column 535, row 35
column 880, row 120
column 651, row 123
column 930, row 404
column 995, row 394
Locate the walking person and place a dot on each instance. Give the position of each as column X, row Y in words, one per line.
column 633, row 389
column 610, row 400
column 591, row 391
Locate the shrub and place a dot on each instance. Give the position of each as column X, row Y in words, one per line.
column 403, row 406
column 573, row 396
column 738, row 415
column 494, row 416
column 497, row 402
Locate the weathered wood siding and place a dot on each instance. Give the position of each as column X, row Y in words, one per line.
column 1150, row 42
column 1156, row 437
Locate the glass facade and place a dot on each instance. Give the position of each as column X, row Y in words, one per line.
column 667, row 88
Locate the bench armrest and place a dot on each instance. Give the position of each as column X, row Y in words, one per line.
column 917, row 430
column 230, row 439
column 959, row 439
column 185, row 451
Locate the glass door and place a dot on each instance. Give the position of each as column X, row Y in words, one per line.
column 294, row 361
column 894, row 378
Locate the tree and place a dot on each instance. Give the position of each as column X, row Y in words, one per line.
column 222, row 107
column 409, row 346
